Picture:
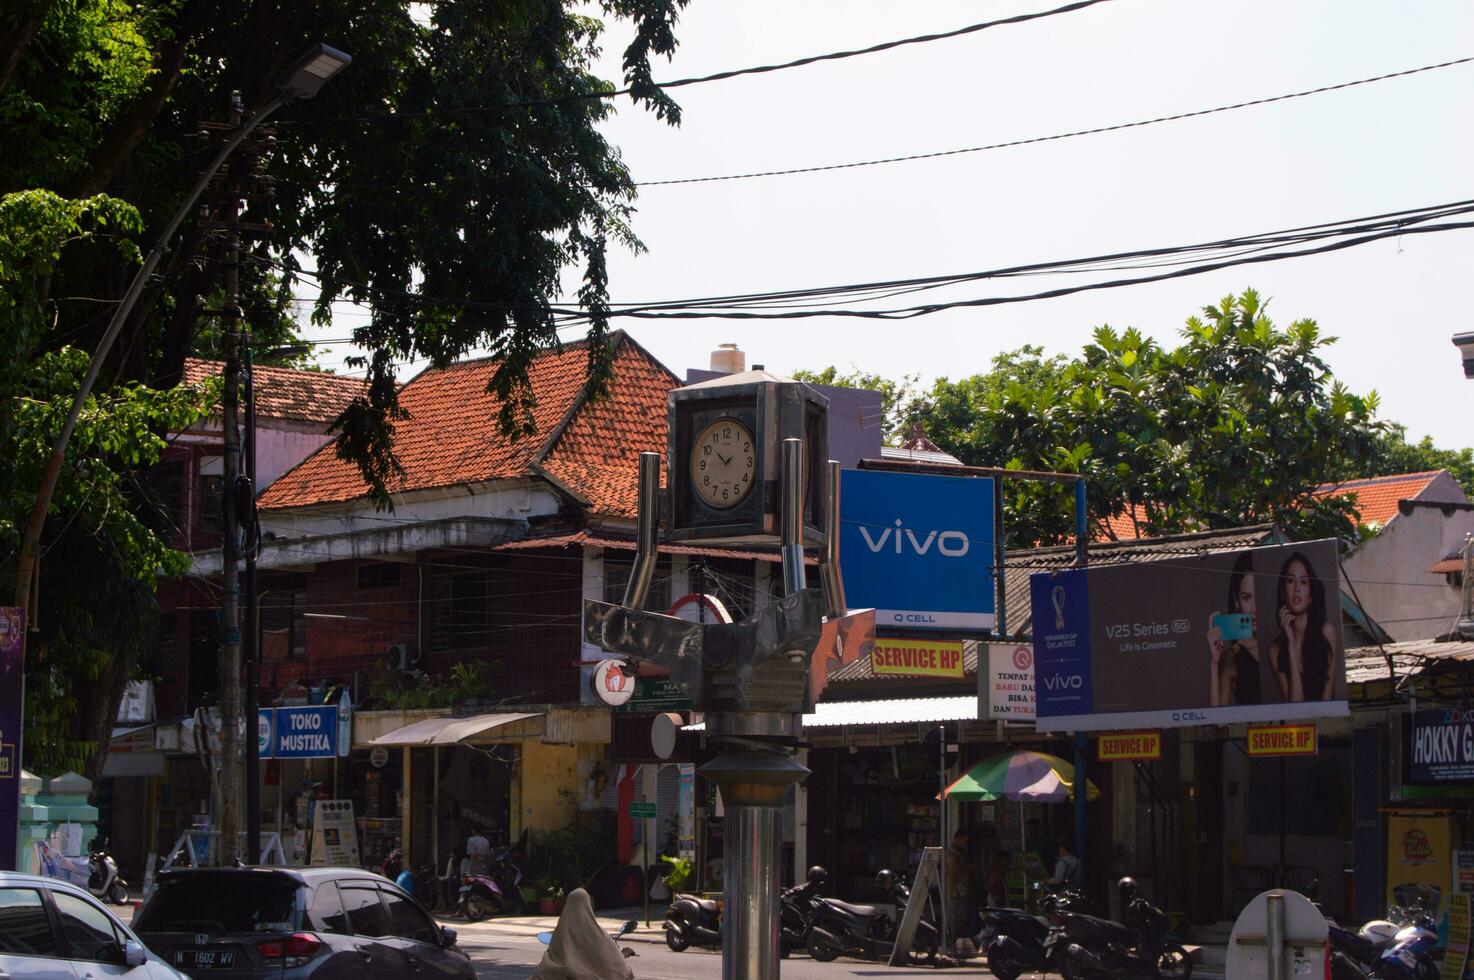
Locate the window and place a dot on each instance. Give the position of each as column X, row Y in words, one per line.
column 284, row 626
column 409, row 919
column 209, row 516
column 326, row 913
column 378, row 575
column 90, row 933
column 468, row 607
column 203, row 682
column 167, row 482
column 24, row 928
column 221, row 903
column 366, row 912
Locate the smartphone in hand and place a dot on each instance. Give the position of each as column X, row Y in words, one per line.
column 1234, row 626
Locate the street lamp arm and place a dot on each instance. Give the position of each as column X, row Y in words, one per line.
column 30, row 542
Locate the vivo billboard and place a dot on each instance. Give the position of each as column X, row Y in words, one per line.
column 1250, row 635
column 918, row 549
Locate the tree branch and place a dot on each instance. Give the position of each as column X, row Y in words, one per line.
column 17, row 28
column 132, row 125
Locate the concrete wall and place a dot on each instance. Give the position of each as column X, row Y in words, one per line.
column 1390, row 570
column 550, row 785
column 506, row 499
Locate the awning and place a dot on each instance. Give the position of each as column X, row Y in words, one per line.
column 897, row 711
column 479, row 728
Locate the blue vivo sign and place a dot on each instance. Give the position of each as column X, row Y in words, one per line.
column 918, row 548
column 306, row 733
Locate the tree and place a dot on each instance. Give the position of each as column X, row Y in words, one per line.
column 447, row 179
column 896, row 397
column 1395, row 454
column 1236, row 425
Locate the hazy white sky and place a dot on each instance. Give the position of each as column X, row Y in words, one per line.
column 1396, row 144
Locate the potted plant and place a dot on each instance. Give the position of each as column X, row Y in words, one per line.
column 679, row 874
column 549, row 898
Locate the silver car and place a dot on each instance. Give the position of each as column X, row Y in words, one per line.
column 52, row 930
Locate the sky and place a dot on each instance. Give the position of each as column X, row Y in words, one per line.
column 1396, row 144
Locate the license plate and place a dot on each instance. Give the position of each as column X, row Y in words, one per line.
column 205, row 959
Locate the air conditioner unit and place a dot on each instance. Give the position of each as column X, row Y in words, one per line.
column 403, row 657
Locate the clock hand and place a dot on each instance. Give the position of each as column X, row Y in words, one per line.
column 726, row 460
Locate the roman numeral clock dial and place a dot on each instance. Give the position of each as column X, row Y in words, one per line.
column 723, row 463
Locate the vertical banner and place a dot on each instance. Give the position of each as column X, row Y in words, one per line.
column 12, row 694
column 1456, row 956
column 686, row 813
column 1419, row 852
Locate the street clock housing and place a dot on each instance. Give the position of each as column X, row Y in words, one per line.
column 724, row 453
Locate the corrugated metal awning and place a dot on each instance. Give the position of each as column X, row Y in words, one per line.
column 452, row 731
column 896, row 711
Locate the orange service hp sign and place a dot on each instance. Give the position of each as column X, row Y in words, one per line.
column 1129, row 746
column 917, row 658
column 1282, row 740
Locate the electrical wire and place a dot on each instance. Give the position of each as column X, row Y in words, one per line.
column 1116, row 127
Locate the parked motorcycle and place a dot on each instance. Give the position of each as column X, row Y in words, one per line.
column 508, row 875
column 103, row 880
column 693, row 921
column 1401, row 947
column 1086, row 947
column 869, row 931
column 1013, row 939
column 479, row 897
column 797, row 905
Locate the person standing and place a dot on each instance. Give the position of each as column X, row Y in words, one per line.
column 960, row 872
column 1068, row 871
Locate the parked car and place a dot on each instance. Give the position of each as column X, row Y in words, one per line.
column 292, row 923
column 52, row 930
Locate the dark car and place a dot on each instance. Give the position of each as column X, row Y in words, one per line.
column 288, row 923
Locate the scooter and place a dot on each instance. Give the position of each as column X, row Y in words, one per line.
column 868, row 931
column 480, row 896
column 1086, row 947
column 508, row 877
column 102, row 876
column 1013, row 939
column 693, row 921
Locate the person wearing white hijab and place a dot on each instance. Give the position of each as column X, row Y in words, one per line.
column 581, row 949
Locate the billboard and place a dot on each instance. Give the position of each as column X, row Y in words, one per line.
column 918, row 549
column 917, row 658
column 1242, row 636
column 1439, row 746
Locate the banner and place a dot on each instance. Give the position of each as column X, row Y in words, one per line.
column 1419, row 848
column 1439, row 746
column 305, row 732
column 1281, row 740
column 1242, row 636
column 918, row 548
column 1129, row 747
column 1006, row 681
column 917, row 658
column 12, row 697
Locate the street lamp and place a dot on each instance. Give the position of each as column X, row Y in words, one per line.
column 1465, row 343
column 253, row 611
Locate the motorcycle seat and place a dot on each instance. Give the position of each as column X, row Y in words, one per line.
column 863, row 911
column 704, row 904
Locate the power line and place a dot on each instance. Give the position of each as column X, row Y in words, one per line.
column 1058, row 136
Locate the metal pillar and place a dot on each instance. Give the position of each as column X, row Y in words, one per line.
column 647, row 546
column 1082, row 780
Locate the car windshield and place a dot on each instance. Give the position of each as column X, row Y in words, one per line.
column 218, row 905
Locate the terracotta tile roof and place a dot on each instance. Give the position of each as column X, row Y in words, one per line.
column 452, row 437
column 1377, row 497
column 285, row 393
column 1123, row 526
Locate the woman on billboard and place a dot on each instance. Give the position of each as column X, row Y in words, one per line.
column 1303, row 656
column 1234, row 670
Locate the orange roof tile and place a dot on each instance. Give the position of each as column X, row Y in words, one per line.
column 1377, row 497
column 1123, row 526
column 452, row 435
column 285, row 393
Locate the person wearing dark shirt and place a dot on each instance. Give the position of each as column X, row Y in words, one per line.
column 1233, row 673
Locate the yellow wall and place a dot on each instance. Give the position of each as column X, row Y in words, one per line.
column 549, row 780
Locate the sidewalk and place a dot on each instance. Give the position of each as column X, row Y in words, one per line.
column 530, row 925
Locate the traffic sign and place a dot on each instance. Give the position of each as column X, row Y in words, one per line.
column 641, row 810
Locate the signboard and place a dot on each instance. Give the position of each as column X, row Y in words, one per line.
column 611, row 684
column 686, row 812
column 334, row 835
column 1243, row 636
column 1456, row 956
column 265, row 729
column 1007, row 681
column 640, row 810
column 306, row 733
column 12, row 701
column 1419, row 848
column 1271, row 740
column 918, row 548
column 1129, row 747
column 917, row 658
column 1440, row 746
column 655, row 694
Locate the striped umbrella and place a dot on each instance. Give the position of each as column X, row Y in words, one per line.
column 1024, row 775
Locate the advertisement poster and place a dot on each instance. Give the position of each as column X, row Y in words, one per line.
column 917, row 658
column 1439, row 746
column 1419, row 848
column 686, row 812
column 1007, row 679
column 1456, row 956
column 12, row 651
column 918, row 549
column 334, row 835
column 1241, row 636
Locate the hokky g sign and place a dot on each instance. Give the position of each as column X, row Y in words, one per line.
column 1250, row 635
column 1440, row 746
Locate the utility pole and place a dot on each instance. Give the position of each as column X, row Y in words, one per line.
column 230, row 630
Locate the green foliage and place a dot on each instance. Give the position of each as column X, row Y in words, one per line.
column 467, row 680
column 680, row 871
column 1394, row 454
column 1236, row 425
column 897, row 398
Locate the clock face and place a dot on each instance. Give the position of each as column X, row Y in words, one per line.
column 723, row 463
